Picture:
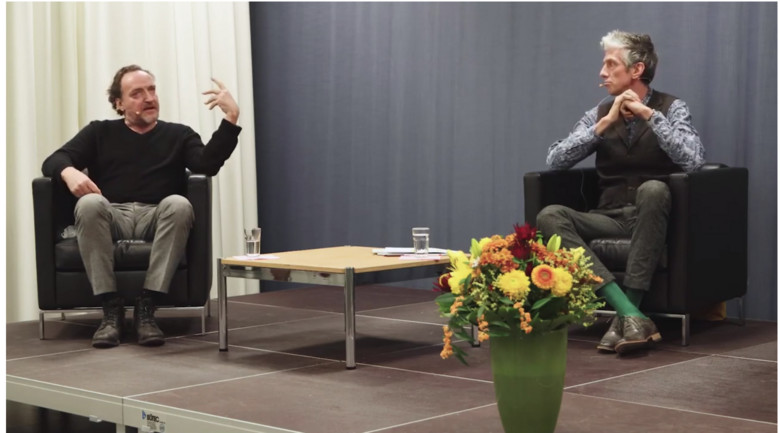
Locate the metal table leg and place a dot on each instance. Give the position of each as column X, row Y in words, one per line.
column 349, row 316
column 222, row 303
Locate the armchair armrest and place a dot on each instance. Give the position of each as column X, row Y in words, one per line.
column 45, row 236
column 575, row 188
column 708, row 234
column 199, row 244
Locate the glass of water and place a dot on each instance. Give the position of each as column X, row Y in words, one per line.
column 252, row 242
column 421, row 239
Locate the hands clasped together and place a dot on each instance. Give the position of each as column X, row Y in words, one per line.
column 627, row 105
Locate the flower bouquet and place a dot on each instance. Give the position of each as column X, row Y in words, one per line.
column 522, row 295
column 515, row 283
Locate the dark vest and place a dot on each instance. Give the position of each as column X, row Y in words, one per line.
column 623, row 166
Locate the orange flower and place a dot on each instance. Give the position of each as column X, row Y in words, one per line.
column 458, row 303
column 483, row 326
column 525, row 318
column 447, row 351
column 495, row 252
column 543, row 276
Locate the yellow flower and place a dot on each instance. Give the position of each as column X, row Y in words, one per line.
column 543, row 277
column 459, row 263
column 514, row 284
column 576, row 254
column 563, row 282
column 457, row 257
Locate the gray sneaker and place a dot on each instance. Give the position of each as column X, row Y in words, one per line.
column 109, row 333
column 149, row 334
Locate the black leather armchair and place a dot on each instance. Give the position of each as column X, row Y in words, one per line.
column 706, row 257
column 62, row 281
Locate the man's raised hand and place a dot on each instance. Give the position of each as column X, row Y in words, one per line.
column 222, row 98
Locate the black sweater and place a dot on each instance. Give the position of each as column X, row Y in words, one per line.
column 130, row 167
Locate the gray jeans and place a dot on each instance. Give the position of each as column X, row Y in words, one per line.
column 100, row 223
column 644, row 222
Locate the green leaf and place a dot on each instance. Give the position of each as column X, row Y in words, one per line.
column 500, row 324
column 460, row 354
column 475, row 249
column 554, row 243
column 540, row 303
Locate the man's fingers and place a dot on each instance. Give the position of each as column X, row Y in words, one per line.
column 219, row 83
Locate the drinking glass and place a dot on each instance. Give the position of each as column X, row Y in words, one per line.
column 252, row 242
column 420, row 239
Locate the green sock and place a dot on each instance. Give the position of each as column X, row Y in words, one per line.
column 619, row 301
column 635, row 296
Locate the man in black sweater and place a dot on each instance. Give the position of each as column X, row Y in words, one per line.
column 133, row 190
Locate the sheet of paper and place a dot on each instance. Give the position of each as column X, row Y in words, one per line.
column 399, row 251
column 422, row 256
column 260, row 257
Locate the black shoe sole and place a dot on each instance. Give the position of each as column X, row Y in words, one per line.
column 151, row 342
column 104, row 344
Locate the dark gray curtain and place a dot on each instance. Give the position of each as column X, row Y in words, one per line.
column 373, row 118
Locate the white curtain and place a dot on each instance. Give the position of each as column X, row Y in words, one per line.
column 61, row 58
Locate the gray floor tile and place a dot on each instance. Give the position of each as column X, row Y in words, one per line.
column 331, row 399
column 132, row 369
column 716, row 385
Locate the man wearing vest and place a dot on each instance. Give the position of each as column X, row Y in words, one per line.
column 639, row 138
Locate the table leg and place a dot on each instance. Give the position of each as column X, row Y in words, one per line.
column 349, row 316
column 222, row 306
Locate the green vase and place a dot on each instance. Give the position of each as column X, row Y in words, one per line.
column 528, row 373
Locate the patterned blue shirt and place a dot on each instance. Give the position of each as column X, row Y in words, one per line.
column 675, row 133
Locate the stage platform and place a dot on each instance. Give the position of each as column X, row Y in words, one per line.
column 285, row 372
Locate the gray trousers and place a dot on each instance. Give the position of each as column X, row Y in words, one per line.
column 100, row 223
column 645, row 222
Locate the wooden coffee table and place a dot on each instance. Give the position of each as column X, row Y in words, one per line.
column 336, row 266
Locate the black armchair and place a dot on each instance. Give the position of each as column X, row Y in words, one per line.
column 62, row 281
column 706, row 258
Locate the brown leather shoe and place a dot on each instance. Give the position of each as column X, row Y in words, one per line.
column 638, row 333
column 612, row 336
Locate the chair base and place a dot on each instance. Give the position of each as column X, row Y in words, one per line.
column 205, row 310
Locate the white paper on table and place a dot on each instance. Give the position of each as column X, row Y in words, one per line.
column 260, row 257
column 399, row 251
column 422, row 256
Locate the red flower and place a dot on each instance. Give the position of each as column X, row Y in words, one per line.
column 525, row 233
column 520, row 246
column 442, row 284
